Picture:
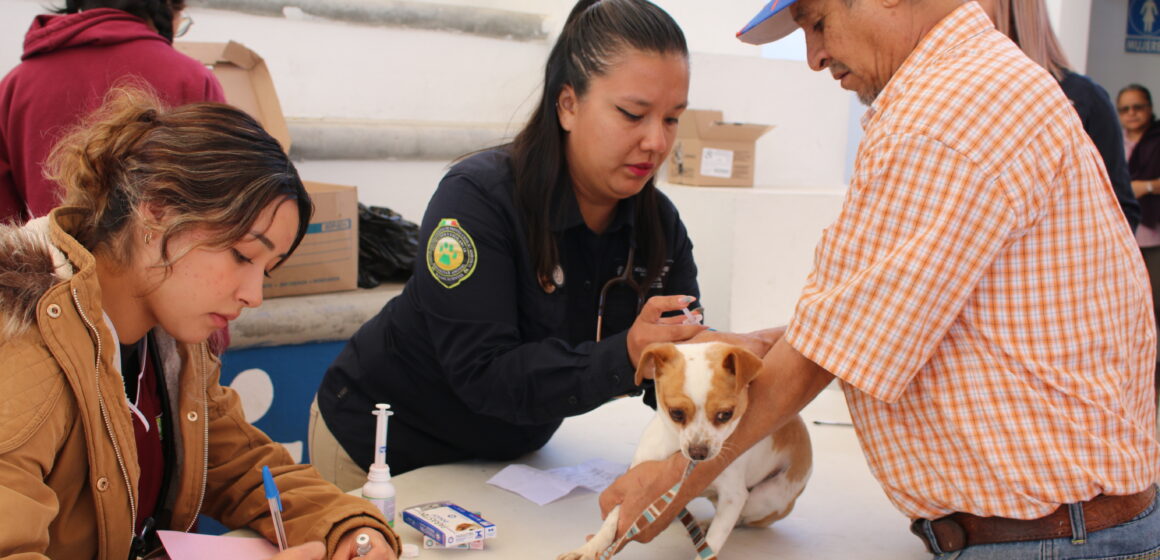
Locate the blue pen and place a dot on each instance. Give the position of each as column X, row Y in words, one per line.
column 275, row 500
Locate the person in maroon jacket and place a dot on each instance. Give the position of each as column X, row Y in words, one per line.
column 70, row 60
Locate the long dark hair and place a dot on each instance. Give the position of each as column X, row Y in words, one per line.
column 596, row 32
column 158, row 12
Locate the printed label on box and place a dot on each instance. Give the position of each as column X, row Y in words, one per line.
column 717, row 163
column 328, row 227
column 448, row 524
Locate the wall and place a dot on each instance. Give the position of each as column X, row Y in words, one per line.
column 707, row 30
column 1071, row 21
column 1108, row 64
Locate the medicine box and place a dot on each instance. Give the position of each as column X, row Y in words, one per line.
column 448, row 524
column 473, row 545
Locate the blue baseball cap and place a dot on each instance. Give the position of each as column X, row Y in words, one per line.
column 770, row 24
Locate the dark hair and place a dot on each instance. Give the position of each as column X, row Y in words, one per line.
column 596, row 32
column 1135, row 87
column 158, row 12
column 203, row 165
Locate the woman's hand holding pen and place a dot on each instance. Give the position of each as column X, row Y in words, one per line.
column 309, row 551
column 346, row 550
column 650, row 326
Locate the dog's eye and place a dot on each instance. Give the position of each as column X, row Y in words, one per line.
column 678, row 416
column 724, row 416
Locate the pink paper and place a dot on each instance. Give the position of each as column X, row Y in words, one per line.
column 191, row 546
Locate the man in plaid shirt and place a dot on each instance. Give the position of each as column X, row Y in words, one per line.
column 980, row 299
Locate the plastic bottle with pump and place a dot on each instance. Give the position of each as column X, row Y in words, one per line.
column 378, row 488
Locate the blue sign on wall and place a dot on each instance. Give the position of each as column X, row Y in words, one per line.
column 1143, row 26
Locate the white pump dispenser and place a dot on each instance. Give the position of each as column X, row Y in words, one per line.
column 378, row 488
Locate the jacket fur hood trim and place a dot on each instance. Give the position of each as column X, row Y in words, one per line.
column 29, row 265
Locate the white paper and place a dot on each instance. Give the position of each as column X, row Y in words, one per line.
column 192, row 546
column 716, row 163
column 595, row 475
column 544, row 487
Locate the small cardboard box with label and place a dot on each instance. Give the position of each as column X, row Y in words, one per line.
column 711, row 152
column 448, row 524
column 327, row 258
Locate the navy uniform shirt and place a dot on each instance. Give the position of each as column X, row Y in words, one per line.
column 475, row 357
column 1102, row 123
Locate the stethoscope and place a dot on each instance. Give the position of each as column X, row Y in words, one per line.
column 624, row 278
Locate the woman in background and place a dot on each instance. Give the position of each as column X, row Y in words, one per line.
column 534, row 299
column 114, row 423
column 1142, row 138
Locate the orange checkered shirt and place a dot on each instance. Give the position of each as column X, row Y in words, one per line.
column 980, row 296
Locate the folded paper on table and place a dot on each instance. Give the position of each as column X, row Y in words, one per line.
column 544, row 487
column 192, row 546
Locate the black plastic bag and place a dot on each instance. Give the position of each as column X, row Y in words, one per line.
column 387, row 245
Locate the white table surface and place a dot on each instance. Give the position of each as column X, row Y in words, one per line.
column 842, row 513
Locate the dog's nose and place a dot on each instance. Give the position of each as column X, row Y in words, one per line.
column 698, row 452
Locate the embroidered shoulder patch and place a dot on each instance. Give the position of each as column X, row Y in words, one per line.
column 451, row 254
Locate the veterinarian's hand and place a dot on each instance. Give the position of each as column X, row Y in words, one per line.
column 380, row 548
column 640, row 487
column 651, row 327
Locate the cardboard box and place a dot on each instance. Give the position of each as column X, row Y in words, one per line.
column 327, row 258
column 712, row 152
column 246, row 81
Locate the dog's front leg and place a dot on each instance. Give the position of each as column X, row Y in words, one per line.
column 600, row 541
column 730, row 501
column 656, row 444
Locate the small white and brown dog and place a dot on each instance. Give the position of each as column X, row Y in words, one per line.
column 702, row 392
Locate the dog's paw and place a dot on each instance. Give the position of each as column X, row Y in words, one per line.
column 582, row 553
column 586, row 552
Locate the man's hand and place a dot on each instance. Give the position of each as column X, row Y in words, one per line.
column 758, row 342
column 347, row 549
column 639, row 488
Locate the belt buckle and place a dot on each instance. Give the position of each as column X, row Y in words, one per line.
column 954, row 537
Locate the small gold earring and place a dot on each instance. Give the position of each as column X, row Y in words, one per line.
column 148, row 237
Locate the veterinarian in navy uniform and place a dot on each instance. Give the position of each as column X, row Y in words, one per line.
column 494, row 340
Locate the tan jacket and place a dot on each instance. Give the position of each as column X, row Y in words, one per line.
column 68, row 463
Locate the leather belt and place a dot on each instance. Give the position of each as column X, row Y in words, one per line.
column 960, row 530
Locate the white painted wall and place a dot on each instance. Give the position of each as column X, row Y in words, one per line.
column 1071, row 21
column 708, row 27
column 1108, row 64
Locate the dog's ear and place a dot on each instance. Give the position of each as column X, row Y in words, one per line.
column 653, row 359
column 742, row 363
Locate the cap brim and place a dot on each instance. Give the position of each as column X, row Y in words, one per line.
column 770, row 24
